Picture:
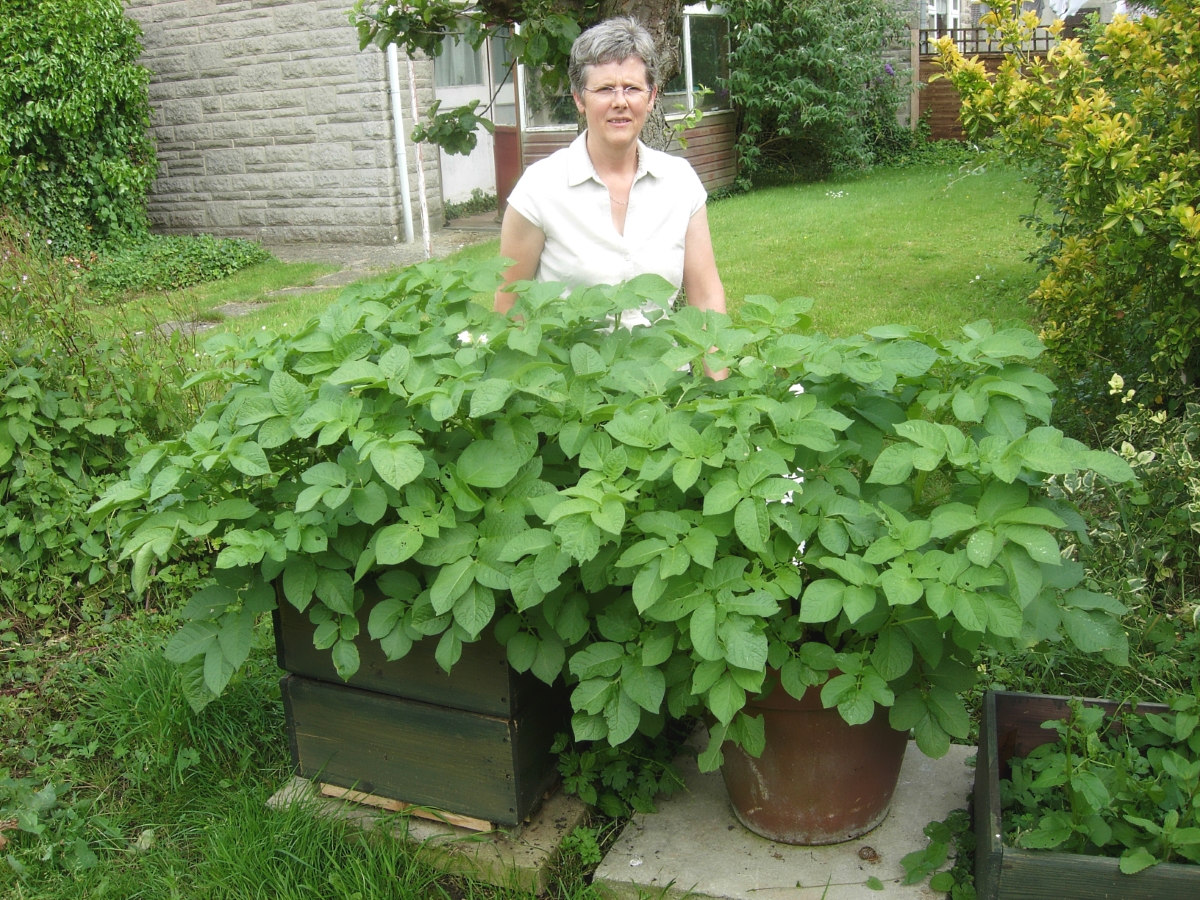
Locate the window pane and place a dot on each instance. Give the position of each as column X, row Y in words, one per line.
column 544, row 107
column 710, row 60
column 501, row 58
column 458, row 65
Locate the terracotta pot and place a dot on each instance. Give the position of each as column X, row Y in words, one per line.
column 819, row 780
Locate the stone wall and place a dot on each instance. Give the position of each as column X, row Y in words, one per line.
column 270, row 124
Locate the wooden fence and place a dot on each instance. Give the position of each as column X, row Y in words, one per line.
column 710, row 147
column 938, row 101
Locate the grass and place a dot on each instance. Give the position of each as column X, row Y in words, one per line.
column 927, row 246
column 924, row 246
column 252, row 285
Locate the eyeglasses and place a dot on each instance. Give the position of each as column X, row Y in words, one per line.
column 610, row 93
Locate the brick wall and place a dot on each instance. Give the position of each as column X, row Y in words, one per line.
column 270, row 124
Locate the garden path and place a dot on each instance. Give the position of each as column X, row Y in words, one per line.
column 354, row 261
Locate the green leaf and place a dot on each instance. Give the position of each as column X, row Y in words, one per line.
column 250, row 459
column 900, row 588
column 874, row 883
column 384, row 616
column 336, row 590
column 752, row 524
column 622, row 715
column 645, row 684
column 586, row 361
column 893, row 654
column 190, row 641
column 397, row 464
column 893, row 466
column 370, row 502
column 490, row 396
column 490, row 464
column 610, row 516
column 451, row 583
column 722, row 497
column 449, row 650
column 1136, row 859
column 686, row 471
column 942, row 881
column 1038, row 543
column 522, row 650
column 952, row 518
column 822, row 601
column 217, row 670
column 299, row 581
column 397, row 543
column 209, row 602
column 726, row 698
column 600, row 660
column 288, row 395
column 857, row 601
column 474, row 609
column 345, row 659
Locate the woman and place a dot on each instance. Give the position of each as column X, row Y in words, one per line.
column 608, row 208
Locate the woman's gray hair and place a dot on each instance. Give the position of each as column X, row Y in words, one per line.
column 613, row 40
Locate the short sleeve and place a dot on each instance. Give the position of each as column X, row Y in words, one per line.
column 696, row 192
column 527, row 196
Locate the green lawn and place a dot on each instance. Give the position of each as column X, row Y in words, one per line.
column 926, row 246
column 922, row 246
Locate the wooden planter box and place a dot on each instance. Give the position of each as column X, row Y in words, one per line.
column 1011, row 727
column 475, row 742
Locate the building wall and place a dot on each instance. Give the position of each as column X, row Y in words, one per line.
column 270, row 124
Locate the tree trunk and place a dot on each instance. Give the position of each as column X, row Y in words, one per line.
column 664, row 20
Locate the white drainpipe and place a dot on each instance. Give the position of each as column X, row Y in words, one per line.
column 412, row 91
column 393, row 65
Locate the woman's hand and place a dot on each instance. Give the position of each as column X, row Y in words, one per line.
column 701, row 281
column 522, row 241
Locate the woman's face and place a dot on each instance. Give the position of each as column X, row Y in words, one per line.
column 616, row 118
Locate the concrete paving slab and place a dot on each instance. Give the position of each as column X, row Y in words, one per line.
column 518, row 858
column 695, row 847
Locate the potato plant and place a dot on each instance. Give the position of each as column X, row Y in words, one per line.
column 872, row 507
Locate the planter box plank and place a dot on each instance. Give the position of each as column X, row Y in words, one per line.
column 481, row 681
column 480, row 766
column 1012, row 727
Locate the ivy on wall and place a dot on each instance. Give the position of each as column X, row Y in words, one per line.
column 75, row 155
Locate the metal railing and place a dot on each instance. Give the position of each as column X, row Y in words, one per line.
column 973, row 41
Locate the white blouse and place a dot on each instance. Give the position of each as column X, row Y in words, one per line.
column 564, row 197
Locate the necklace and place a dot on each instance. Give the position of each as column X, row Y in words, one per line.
column 618, row 202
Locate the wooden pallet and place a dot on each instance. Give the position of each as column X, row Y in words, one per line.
column 423, row 812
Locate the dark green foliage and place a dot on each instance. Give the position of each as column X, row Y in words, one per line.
column 958, row 880
column 1124, row 786
column 170, row 263
column 623, row 780
column 73, row 403
column 75, row 157
column 811, row 84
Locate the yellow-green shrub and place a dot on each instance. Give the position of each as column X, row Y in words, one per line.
column 1110, row 128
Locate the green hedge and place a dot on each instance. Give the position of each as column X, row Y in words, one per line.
column 75, row 156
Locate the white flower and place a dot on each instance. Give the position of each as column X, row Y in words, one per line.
column 1116, row 384
column 465, row 337
column 796, row 389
